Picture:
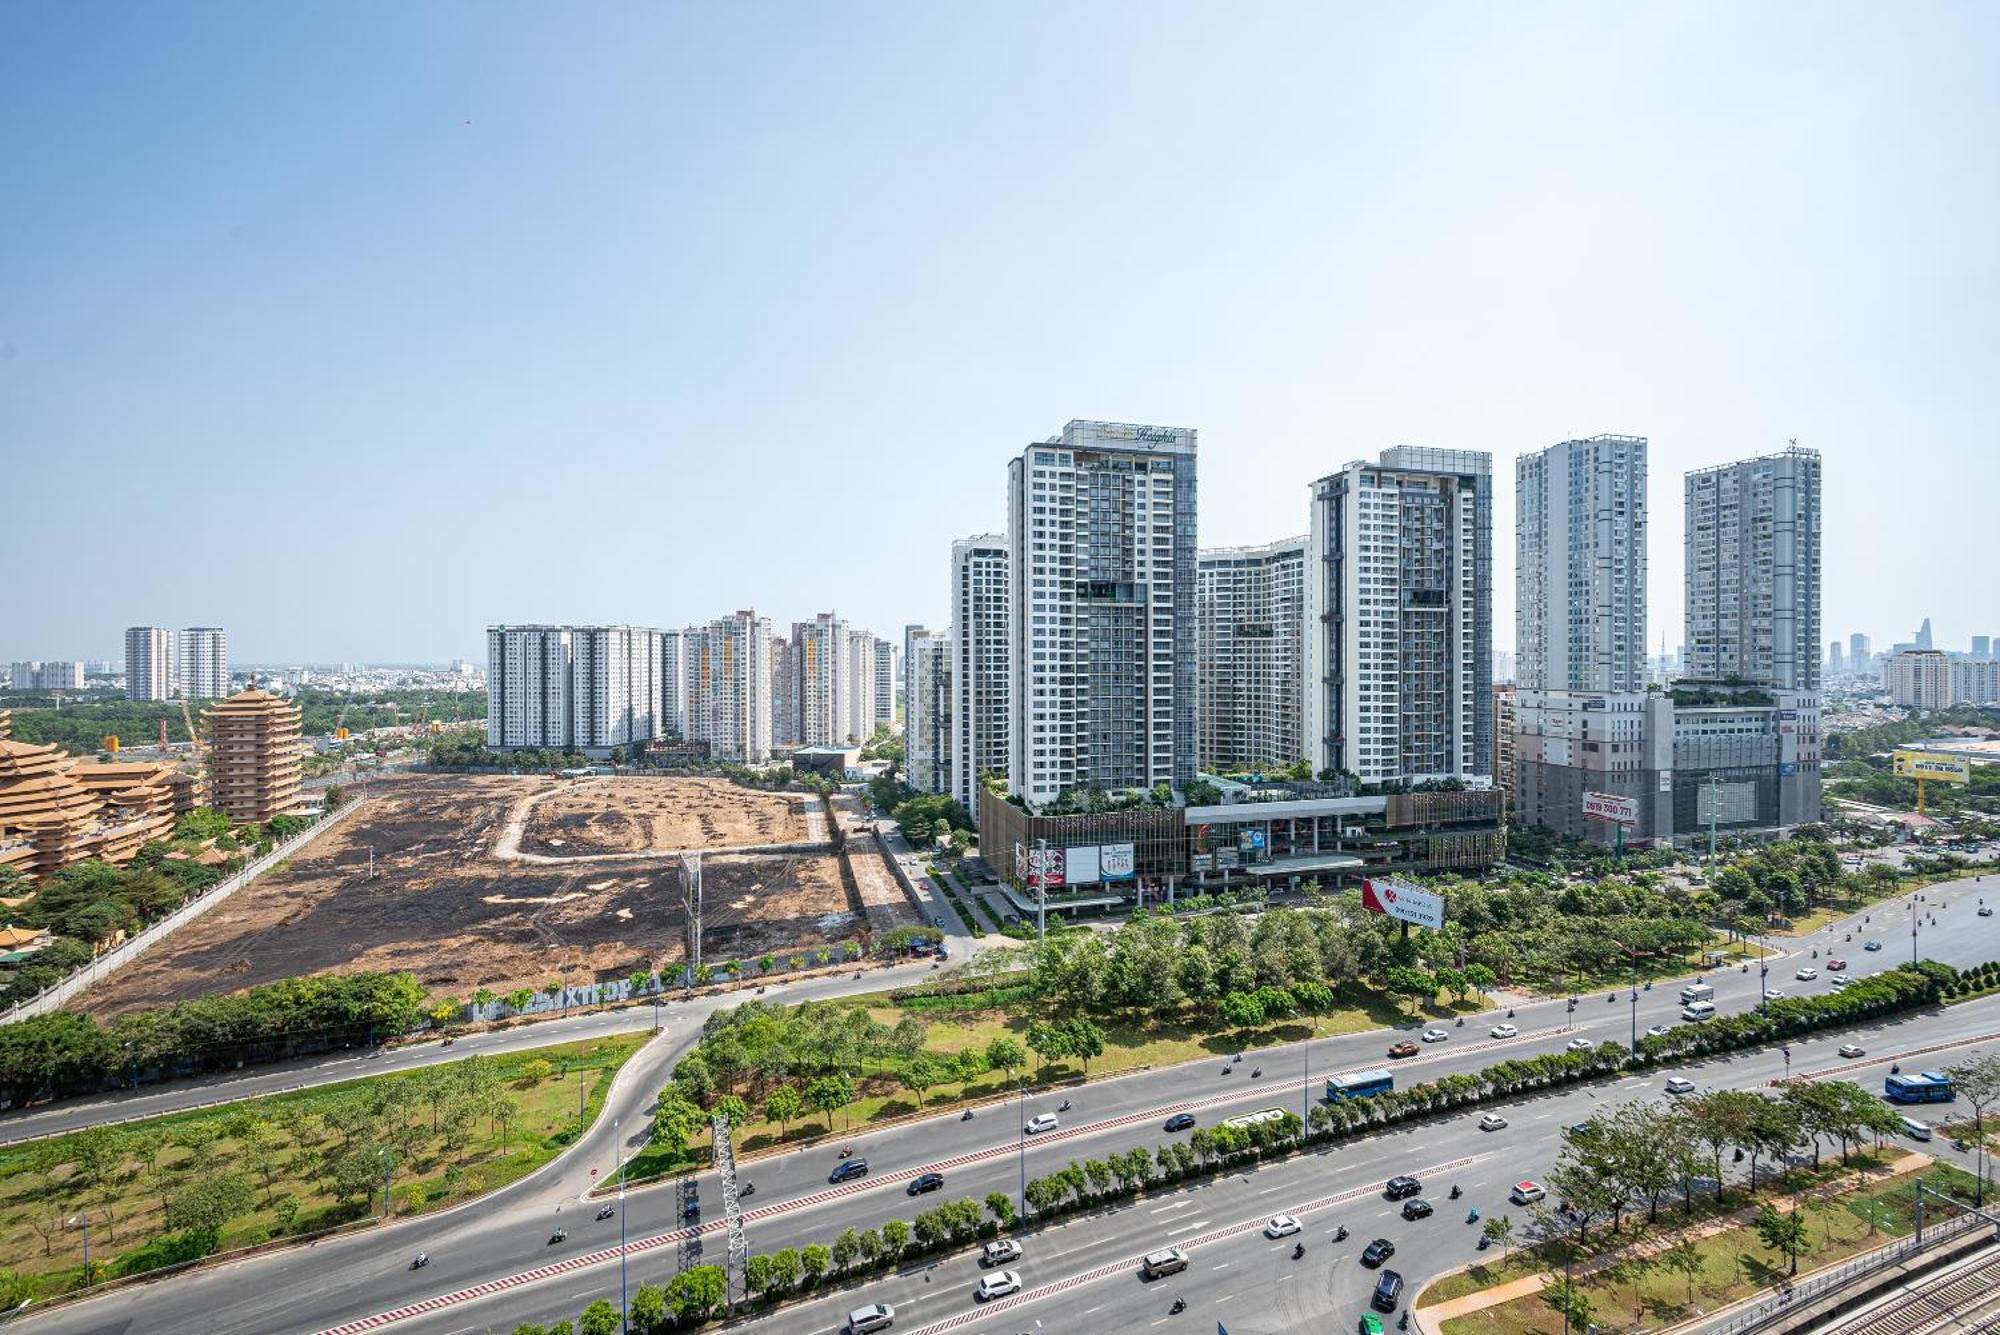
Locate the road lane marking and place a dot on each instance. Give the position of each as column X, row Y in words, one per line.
column 659, row 1241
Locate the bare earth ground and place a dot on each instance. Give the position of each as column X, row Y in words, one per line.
column 442, row 907
column 632, row 815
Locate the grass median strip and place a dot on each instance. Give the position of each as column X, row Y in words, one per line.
column 1648, row 1279
column 172, row 1189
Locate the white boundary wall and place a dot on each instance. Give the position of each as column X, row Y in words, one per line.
column 109, row 961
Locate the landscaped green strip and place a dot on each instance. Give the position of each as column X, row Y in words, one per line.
column 178, row 1187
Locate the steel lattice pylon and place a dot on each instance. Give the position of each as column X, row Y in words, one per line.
column 691, row 909
column 739, row 1249
column 688, row 1204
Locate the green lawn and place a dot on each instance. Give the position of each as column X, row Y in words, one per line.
column 1128, row 1046
column 180, row 1186
column 1643, row 1294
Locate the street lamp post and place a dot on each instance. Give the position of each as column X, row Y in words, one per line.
column 388, row 1175
column 1306, row 1094
column 1763, row 973
column 82, row 1220
column 581, row 1085
column 1022, row 1211
column 618, row 1146
column 1635, row 1002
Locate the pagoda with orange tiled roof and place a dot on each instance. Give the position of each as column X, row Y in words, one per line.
column 55, row 811
column 253, row 755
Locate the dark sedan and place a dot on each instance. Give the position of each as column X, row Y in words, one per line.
column 926, row 1182
column 1378, row 1251
column 1180, row 1121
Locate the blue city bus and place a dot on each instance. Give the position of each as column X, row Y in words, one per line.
column 1927, row 1087
column 1358, row 1085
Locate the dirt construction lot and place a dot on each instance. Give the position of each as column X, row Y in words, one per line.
column 633, row 815
column 444, row 908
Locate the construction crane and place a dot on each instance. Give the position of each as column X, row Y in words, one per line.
column 341, row 717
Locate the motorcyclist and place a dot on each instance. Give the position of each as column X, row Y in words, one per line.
column 1340, row 1234
column 1455, row 1193
column 1298, row 1250
column 1180, row 1305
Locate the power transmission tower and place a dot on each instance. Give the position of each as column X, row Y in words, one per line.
column 739, row 1249
column 691, row 909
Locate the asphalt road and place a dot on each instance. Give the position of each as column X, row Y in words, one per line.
column 1083, row 1274
column 497, row 1239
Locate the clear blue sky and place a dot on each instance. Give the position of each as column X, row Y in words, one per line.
column 352, row 328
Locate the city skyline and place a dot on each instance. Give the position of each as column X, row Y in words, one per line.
column 383, row 318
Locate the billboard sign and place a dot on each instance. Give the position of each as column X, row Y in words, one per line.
column 1080, row 865
column 1116, row 862
column 1250, row 839
column 1041, row 866
column 1933, row 765
column 1403, row 901
column 1612, row 807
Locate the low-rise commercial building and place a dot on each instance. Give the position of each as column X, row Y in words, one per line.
column 1666, row 761
column 1274, row 835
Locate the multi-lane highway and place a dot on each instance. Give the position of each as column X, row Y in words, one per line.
column 492, row 1244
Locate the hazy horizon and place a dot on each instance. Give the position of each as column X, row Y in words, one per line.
column 355, row 330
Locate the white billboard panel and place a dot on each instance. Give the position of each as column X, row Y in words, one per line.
column 1612, row 807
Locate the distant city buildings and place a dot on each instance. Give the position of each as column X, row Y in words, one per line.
column 1250, row 654
column 1399, row 618
column 149, row 663
column 1920, row 679
column 1101, row 537
column 1975, row 681
column 192, row 664
column 37, row 675
column 201, row 669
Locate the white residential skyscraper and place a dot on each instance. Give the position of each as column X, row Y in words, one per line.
column 1753, row 592
column 1399, row 617
column 1101, row 536
column 927, row 709
column 201, row 668
column 885, row 686
column 727, row 676
column 572, row 688
column 530, row 687
column 980, row 673
column 149, row 663
column 1580, row 568
column 1250, row 652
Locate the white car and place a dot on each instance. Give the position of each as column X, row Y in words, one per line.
column 1281, row 1226
column 1492, row 1122
column 1680, row 1085
column 1041, row 1122
column 1841, row 983
column 1659, row 1031
column 1774, row 994
column 1985, row 910
column 1579, row 1045
column 1435, row 1035
column 1505, row 1031
column 998, row 1285
column 995, row 1253
column 1851, row 1050
column 1806, row 975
